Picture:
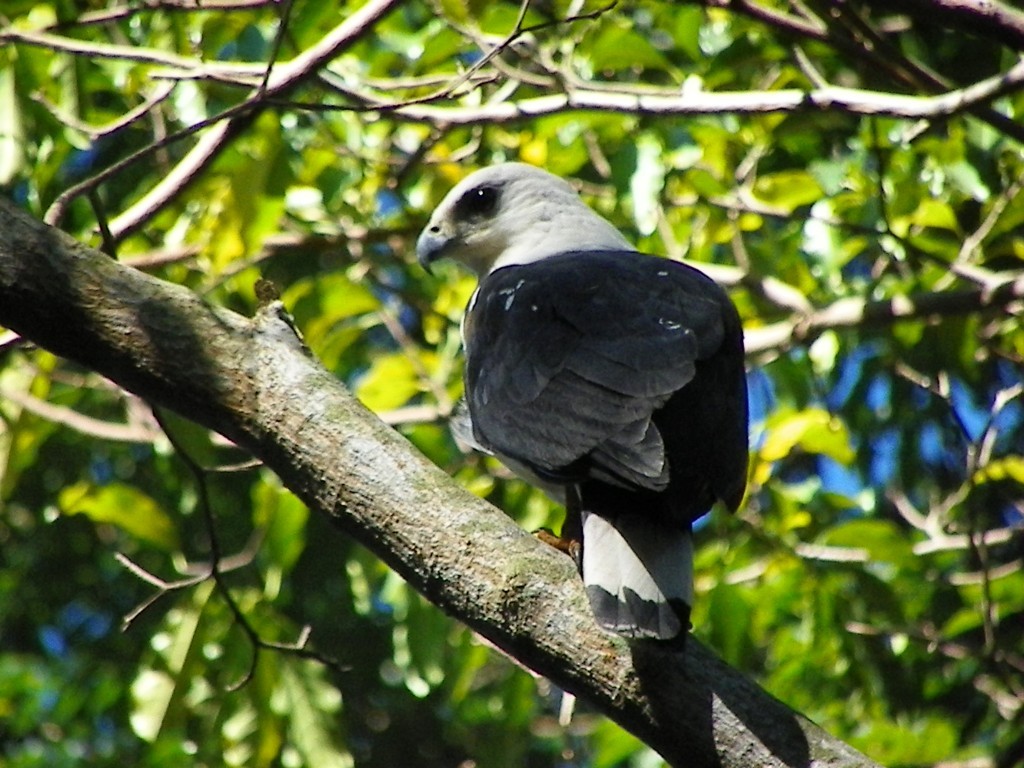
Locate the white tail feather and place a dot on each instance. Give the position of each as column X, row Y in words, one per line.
column 638, row 575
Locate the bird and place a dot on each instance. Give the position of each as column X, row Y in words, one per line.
column 612, row 379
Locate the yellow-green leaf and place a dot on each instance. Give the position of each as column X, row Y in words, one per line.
column 788, row 189
column 814, row 430
column 1006, row 468
column 131, row 510
column 391, row 381
column 935, row 213
column 283, row 517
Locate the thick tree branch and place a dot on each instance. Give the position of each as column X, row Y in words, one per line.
column 255, row 383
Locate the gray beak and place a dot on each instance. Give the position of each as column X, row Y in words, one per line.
column 430, row 246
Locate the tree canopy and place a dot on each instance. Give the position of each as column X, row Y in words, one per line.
column 851, row 171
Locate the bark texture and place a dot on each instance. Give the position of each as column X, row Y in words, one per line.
column 254, row 382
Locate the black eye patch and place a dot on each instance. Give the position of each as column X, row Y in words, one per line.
column 477, row 202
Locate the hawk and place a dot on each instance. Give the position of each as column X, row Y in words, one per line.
column 612, row 379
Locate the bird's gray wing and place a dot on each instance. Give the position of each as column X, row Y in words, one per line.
column 567, row 359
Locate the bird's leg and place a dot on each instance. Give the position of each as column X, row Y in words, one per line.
column 571, row 540
column 572, row 527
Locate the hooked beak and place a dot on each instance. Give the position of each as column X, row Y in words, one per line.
column 431, row 246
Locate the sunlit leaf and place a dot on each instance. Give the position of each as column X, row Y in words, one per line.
column 391, row 381
column 12, row 145
column 157, row 692
column 152, row 691
column 283, row 519
column 645, row 185
column 1005, row 468
column 310, row 706
column 788, row 190
column 813, row 431
column 125, row 506
column 935, row 213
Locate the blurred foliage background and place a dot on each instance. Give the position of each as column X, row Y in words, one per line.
column 872, row 579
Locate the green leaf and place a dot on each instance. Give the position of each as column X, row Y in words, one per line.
column 391, row 382
column 729, row 617
column 152, row 691
column 194, row 440
column 919, row 741
column 814, row 430
column 157, row 692
column 618, row 47
column 283, row 519
column 310, row 705
column 427, row 640
column 936, row 214
column 686, row 33
column 788, row 190
column 125, row 506
column 965, row 177
column 613, row 746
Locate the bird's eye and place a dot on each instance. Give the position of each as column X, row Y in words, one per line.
column 479, row 201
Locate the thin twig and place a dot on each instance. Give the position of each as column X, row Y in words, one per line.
column 971, row 243
column 79, row 422
column 163, row 588
column 861, row 312
column 123, row 12
column 94, row 132
column 275, row 49
column 218, row 567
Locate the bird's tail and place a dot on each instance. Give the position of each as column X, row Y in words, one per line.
column 638, row 575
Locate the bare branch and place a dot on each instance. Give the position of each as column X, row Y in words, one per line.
column 87, row 425
column 282, row 79
column 672, row 103
column 161, row 92
column 860, row 312
column 55, row 213
column 98, row 50
column 119, row 13
column 163, row 588
column 887, row 60
column 941, row 542
column 988, row 18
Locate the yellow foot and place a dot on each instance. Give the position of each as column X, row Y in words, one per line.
column 571, row 547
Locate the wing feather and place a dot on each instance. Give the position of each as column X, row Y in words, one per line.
column 569, row 357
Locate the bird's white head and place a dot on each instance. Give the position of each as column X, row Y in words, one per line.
column 513, row 213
